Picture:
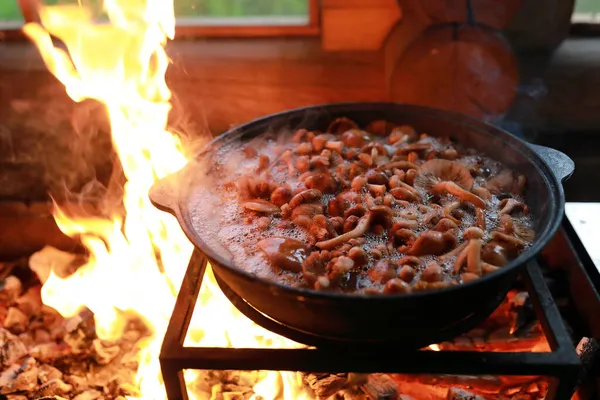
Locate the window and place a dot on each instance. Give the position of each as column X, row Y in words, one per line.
column 587, row 11
column 215, row 17
column 10, row 14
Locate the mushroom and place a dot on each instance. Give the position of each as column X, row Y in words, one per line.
column 494, row 253
column 401, row 193
column 319, row 141
column 404, row 224
column 454, row 252
column 281, row 195
column 376, row 190
column 341, row 125
column 422, row 146
column 445, row 224
column 337, row 206
column 360, row 229
column 381, row 215
column 355, row 138
column 515, row 243
column 380, row 127
column 480, row 218
column 380, row 150
column 350, row 223
column 383, row 271
column 338, row 268
column 507, row 223
column 506, row 182
column 284, row 253
column 403, row 237
column 261, row 205
column 433, row 273
column 306, row 196
column 396, row 286
column 322, row 181
column 403, row 134
column 358, row 255
column 321, row 228
column 432, row 243
column 488, row 268
column 523, row 232
column 376, row 177
column 509, row 205
column 472, row 252
column 314, row 267
column 442, row 176
column 307, row 210
column 407, row 273
column 401, row 165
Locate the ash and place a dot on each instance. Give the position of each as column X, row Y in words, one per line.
column 46, row 356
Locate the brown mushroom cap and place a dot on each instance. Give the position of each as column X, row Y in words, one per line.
column 341, row 125
column 445, row 170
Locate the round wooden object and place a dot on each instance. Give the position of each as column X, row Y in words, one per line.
column 493, row 13
column 468, row 69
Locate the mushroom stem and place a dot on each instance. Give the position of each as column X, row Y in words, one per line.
column 454, row 189
column 480, row 215
column 516, row 242
column 454, row 252
column 358, row 231
column 488, row 268
column 461, row 258
column 474, row 256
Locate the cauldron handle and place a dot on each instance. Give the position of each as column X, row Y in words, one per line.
column 559, row 163
column 164, row 193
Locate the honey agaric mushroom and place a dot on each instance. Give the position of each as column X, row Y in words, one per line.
column 380, row 127
column 514, row 242
column 261, row 205
column 509, row 205
column 341, row 125
column 381, row 215
column 306, row 196
column 522, row 232
column 360, row 229
column 480, row 218
column 401, row 193
column 432, row 243
column 472, row 252
column 284, row 253
column 445, row 224
column 401, row 165
column 440, row 176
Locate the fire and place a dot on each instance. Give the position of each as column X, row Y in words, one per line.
column 139, row 255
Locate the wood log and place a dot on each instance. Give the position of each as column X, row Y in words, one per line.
column 467, row 69
column 357, row 24
column 493, row 13
column 460, row 394
column 541, row 24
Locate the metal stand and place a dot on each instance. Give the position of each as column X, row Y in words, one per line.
column 561, row 364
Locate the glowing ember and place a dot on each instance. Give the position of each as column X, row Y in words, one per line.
column 434, row 347
column 138, row 257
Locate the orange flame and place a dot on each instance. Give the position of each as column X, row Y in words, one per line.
column 138, row 258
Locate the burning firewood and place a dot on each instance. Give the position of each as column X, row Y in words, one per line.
column 352, row 386
column 460, row 394
column 11, row 348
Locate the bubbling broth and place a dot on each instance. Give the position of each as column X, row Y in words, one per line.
column 380, row 209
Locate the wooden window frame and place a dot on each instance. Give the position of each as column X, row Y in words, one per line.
column 188, row 29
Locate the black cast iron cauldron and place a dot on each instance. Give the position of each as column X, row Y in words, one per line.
column 408, row 320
